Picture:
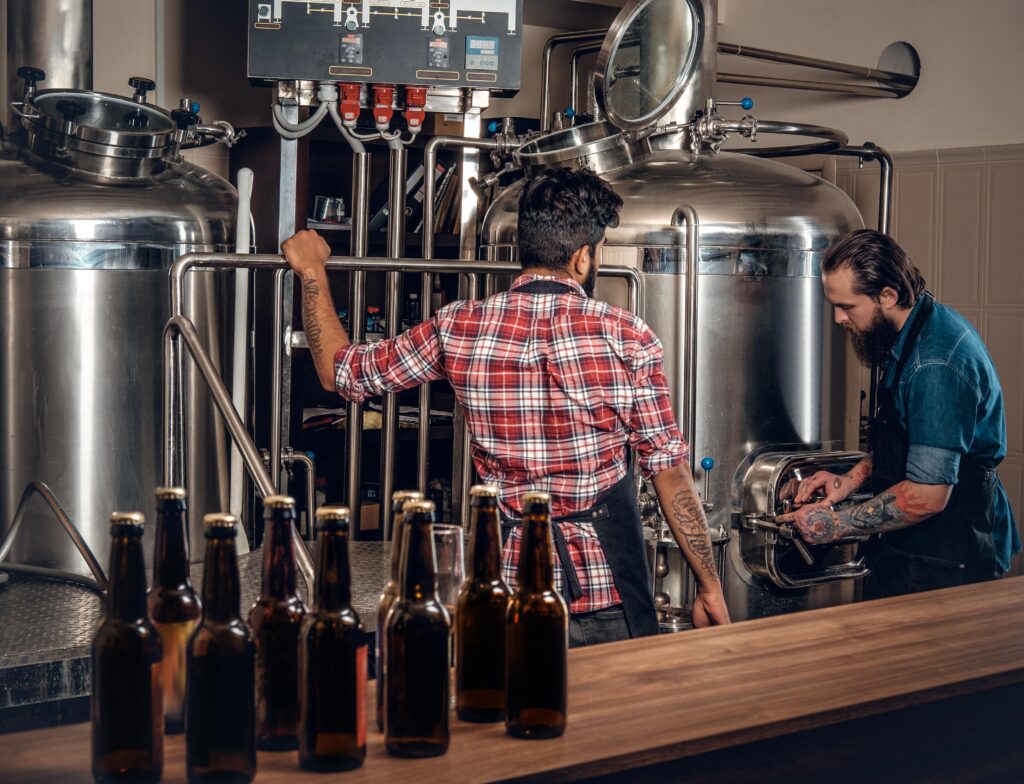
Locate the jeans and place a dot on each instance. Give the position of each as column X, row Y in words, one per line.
column 605, row 625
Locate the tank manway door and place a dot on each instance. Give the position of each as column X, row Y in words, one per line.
column 774, row 551
column 647, row 60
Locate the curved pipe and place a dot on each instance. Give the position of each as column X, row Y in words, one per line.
column 834, row 139
column 687, row 216
column 355, row 143
column 44, row 492
column 297, row 130
column 872, row 152
column 582, row 37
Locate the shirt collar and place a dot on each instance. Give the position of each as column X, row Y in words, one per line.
column 902, row 337
column 569, row 283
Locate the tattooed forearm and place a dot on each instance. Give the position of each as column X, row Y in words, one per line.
column 689, row 518
column 861, row 472
column 311, row 319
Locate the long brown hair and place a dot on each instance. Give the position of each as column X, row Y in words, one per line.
column 877, row 262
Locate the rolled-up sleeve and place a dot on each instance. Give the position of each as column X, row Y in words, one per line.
column 942, row 408
column 370, row 369
column 654, row 433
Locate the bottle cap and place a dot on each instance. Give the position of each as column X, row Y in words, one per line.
column 400, row 498
column 485, row 491
column 278, row 502
column 419, row 506
column 219, row 520
column 332, row 513
column 136, row 519
column 536, row 497
column 170, row 493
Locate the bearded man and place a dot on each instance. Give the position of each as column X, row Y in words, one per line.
column 940, row 516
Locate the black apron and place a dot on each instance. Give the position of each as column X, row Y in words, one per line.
column 616, row 520
column 951, row 548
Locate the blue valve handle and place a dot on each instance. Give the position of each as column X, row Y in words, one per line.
column 493, row 126
column 569, row 113
column 707, row 463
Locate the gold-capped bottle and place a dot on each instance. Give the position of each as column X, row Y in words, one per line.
column 332, row 663
column 399, row 498
column 173, row 603
column 220, row 712
column 127, row 709
column 276, row 620
column 480, row 617
column 418, row 685
column 537, row 634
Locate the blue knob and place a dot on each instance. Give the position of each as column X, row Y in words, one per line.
column 707, row 463
column 493, row 126
column 195, row 107
column 311, row 455
column 747, row 103
column 569, row 113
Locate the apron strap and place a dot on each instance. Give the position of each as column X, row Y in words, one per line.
column 573, row 589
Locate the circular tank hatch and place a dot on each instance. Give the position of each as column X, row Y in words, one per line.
column 647, row 60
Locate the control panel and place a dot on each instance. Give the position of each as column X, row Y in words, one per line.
column 450, row 43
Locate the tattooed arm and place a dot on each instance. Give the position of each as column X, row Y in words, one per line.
column 835, row 487
column 306, row 253
column 902, row 505
column 681, row 506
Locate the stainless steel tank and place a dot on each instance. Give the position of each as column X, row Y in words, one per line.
column 95, row 204
column 770, row 363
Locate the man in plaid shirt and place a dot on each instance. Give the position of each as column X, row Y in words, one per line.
column 557, row 389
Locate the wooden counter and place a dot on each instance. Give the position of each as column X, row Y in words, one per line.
column 924, row 687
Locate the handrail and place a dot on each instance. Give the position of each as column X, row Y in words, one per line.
column 44, row 492
column 178, row 329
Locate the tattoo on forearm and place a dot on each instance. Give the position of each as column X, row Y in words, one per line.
column 896, row 508
column 310, row 318
column 688, row 515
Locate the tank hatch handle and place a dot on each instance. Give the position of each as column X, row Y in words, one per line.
column 31, row 75
column 142, row 85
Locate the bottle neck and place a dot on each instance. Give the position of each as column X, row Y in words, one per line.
column 419, row 569
column 536, row 571
column 333, row 575
column 221, row 593
column 126, row 598
column 397, row 540
column 279, row 577
column 170, row 553
column 485, row 543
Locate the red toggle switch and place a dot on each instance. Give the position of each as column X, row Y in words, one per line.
column 383, row 97
column 415, row 103
column 350, row 93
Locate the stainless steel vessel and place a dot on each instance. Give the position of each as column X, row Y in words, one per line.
column 95, row 204
column 769, row 364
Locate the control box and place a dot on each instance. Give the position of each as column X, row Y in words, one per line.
column 448, row 43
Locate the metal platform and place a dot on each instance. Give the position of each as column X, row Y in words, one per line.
column 46, row 627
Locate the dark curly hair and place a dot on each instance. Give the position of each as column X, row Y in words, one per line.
column 560, row 212
column 877, row 262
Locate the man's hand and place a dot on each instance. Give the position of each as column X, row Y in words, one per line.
column 835, row 488
column 306, row 252
column 709, row 608
column 816, row 524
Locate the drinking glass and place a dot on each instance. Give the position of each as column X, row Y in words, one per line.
column 451, row 571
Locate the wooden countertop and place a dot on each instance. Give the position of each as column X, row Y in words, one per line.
column 647, row 701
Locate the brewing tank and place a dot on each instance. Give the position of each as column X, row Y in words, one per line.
column 770, row 363
column 95, row 205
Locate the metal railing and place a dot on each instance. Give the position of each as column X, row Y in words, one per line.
column 174, row 455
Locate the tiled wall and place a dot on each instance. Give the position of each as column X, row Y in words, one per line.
column 960, row 214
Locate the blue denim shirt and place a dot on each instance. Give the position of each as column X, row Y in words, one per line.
column 951, row 404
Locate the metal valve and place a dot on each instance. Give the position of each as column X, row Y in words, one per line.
column 141, row 85
column 31, row 75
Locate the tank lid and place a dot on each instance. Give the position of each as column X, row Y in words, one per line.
column 647, row 60
column 120, row 124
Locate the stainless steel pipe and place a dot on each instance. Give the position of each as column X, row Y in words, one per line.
column 866, row 91
column 889, row 77
column 180, row 329
column 359, row 244
column 687, row 216
column 581, row 37
column 574, row 73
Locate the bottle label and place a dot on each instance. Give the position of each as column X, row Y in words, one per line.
column 361, row 685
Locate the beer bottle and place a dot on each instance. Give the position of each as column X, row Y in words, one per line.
column 127, row 710
column 387, row 598
column 332, row 721
column 276, row 619
column 220, row 715
column 480, row 617
column 418, row 685
column 537, row 629
column 173, row 603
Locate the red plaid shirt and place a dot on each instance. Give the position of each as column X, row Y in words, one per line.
column 553, row 387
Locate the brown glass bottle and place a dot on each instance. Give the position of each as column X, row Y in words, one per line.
column 537, row 634
column 418, row 686
column 276, row 620
column 480, row 617
column 127, row 710
column 173, row 603
column 220, row 714
column 399, row 498
column 332, row 661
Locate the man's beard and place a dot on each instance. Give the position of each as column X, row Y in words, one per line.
column 590, row 281
column 873, row 344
